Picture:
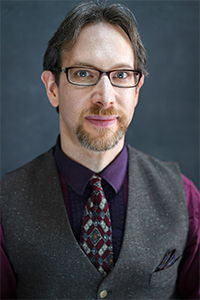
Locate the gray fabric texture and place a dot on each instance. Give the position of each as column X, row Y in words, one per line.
column 50, row 264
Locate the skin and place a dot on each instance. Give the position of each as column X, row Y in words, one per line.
column 105, row 47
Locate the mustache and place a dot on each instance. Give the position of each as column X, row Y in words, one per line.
column 111, row 111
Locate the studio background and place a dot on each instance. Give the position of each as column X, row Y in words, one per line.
column 166, row 119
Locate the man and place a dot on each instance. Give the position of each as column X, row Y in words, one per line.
column 94, row 218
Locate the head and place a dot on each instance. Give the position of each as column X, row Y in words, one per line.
column 103, row 37
column 92, row 12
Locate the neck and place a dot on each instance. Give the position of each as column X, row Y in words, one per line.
column 95, row 161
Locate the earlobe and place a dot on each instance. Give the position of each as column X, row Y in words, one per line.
column 48, row 79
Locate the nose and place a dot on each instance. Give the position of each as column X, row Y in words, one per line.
column 103, row 93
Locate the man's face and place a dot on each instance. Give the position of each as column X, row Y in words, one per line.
column 96, row 117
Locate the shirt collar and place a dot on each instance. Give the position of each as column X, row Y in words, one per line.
column 78, row 176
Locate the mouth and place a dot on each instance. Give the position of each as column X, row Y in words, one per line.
column 101, row 121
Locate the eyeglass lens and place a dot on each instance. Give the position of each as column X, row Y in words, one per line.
column 84, row 76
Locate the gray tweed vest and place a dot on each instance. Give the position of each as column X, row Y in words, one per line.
column 49, row 263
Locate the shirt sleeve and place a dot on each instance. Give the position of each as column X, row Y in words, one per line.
column 7, row 276
column 188, row 278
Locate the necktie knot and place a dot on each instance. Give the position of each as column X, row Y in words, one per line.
column 95, row 181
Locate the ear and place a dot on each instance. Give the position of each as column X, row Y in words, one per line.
column 48, row 79
column 138, row 88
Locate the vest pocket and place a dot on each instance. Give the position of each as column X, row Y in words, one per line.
column 165, row 277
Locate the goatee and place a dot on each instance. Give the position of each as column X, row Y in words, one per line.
column 105, row 138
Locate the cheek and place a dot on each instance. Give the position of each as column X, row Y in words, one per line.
column 129, row 102
column 69, row 101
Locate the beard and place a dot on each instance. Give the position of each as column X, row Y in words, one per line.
column 105, row 138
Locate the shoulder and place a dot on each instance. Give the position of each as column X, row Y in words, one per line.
column 32, row 169
column 168, row 173
column 160, row 181
column 190, row 188
column 192, row 198
column 151, row 165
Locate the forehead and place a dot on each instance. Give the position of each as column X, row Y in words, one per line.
column 102, row 45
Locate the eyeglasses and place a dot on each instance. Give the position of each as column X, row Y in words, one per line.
column 86, row 76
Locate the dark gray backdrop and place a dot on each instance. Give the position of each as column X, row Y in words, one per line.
column 166, row 119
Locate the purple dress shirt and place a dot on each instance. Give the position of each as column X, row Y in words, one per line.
column 76, row 193
column 114, row 182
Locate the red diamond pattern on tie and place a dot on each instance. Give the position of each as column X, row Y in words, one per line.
column 96, row 230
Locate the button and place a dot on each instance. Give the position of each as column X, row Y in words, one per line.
column 103, row 294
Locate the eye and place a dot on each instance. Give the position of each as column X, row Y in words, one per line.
column 121, row 75
column 83, row 73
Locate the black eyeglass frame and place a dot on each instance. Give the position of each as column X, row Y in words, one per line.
column 65, row 70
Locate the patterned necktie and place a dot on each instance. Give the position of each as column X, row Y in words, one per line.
column 96, row 230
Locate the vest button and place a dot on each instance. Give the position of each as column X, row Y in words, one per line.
column 103, row 294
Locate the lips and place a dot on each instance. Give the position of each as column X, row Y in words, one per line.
column 101, row 121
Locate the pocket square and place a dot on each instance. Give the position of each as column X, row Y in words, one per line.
column 168, row 260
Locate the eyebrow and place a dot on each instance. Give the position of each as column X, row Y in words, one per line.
column 85, row 64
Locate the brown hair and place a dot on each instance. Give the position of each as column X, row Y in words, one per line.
column 92, row 12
